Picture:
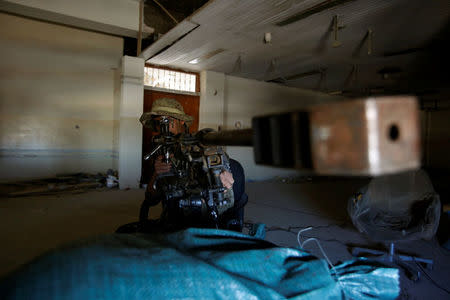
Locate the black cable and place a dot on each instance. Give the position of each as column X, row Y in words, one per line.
column 291, row 228
column 430, row 278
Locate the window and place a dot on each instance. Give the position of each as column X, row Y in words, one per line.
column 171, row 80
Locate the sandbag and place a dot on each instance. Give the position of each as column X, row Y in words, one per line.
column 397, row 207
column 194, row 264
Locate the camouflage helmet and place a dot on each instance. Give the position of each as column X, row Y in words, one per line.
column 166, row 107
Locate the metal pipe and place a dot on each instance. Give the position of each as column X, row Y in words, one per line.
column 139, row 38
column 166, row 11
column 336, row 42
column 369, row 41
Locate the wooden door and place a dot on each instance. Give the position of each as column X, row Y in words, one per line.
column 191, row 107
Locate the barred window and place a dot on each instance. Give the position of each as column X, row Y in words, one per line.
column 171, row 80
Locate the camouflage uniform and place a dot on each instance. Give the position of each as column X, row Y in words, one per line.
column 234, row 217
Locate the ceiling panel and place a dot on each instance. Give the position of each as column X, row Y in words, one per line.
column 238, row 28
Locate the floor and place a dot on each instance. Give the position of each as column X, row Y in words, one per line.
column 33, row 225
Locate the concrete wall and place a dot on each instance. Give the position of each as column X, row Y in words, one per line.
column 130, row 129
column 58, row 86
column 212, row 99
column 120, row 17
column 227, row 99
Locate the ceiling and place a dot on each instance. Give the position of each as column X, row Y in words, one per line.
column 385, row 46
column 157, row 18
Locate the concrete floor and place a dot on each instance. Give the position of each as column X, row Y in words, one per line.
column 33, row 225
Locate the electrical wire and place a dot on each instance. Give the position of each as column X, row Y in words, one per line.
column 430, row 278
column 293, row 230
column 312, row 239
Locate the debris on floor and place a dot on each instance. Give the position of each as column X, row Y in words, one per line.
column 78, row 182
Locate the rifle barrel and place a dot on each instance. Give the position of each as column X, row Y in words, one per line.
column 237, row 137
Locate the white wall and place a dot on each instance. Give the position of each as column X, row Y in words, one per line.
column 212, row 101
column 227, row 99
column 57, row 92
column 119, row 17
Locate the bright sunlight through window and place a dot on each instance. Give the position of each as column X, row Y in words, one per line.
column 168, row 79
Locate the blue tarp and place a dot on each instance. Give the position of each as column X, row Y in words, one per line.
column 194, row 264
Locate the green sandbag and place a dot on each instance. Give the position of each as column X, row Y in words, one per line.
column 194, row 264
